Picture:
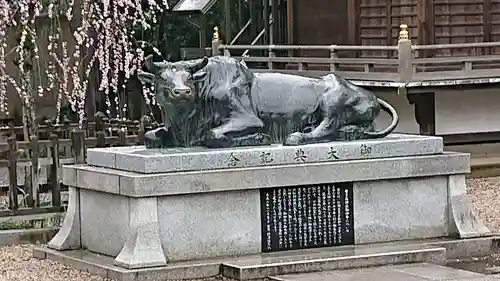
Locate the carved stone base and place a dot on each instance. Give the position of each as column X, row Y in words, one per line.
column 68, row 237
column 146, row 207
column 462, row 221
column 143, row 247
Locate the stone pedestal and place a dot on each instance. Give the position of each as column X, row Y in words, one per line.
column 146, row 207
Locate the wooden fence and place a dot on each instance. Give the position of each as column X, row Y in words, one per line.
column 56, row 145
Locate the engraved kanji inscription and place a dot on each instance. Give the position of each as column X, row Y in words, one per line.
column 332, row 154
column 232, row 160
column 365, row 150
column 300, row 156
column 266, row 158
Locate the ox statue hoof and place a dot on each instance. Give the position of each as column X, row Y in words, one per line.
column 159, row 138
column 294, row 139
column 216, row 140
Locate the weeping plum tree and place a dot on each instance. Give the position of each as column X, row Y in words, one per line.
column 101, row 39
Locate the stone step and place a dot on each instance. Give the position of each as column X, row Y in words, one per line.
column 403, row 272
column 312, row 260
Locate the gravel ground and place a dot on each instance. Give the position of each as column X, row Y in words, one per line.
column 484, row 195
column 17, row 264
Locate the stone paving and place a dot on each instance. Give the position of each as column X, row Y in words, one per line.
column 405, row 272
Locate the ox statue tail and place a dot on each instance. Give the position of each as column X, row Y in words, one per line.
column 395, row 121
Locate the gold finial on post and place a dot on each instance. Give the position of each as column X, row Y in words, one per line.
column 403, row 32
column 216, row 34
column 216, row 42
column 405, row 55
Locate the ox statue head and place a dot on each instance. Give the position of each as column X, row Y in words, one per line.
column 173, row 81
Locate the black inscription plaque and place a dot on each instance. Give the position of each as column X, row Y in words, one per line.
column 304, row 217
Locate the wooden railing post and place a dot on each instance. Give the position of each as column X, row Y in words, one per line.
column 99, row 128
column 122, row 136
column 216, row 42
column 54, row 171
column 405, row 55
column 143, row 128
column 333, row 56
column 33, row 194
column 78, row 144
column 13, row 154
column 271, row 54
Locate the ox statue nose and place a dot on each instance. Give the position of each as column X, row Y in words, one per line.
column 182, row 91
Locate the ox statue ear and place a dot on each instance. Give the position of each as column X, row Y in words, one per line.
column 145, row 77
column 200, row 76
column 153, row 65
column 162, row 64
column 196, row 67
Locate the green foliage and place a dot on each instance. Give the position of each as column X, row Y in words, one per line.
column 169, row 33
column 174, row 31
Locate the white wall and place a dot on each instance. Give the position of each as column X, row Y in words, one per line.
column 457, row 111
column 467, row 111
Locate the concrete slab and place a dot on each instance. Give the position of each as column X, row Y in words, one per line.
column 467, row 248
column 103, row 265
column 264, row 265
column 363, row 274
column 434, row 272
column 406, row 272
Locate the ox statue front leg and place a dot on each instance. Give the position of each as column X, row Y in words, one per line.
column 239, row 129
column 240, row 125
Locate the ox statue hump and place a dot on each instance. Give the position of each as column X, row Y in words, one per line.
column 218, row 102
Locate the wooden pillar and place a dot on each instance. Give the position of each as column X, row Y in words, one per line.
column 388, row 27
column 353, row 19
column 275, row 28
column 227, row 21
column 203, row 31
column 253, row 15
column 290, row 21
column 425, row 111
column 267, row 34
column 284, row 20
column 487, row 25
column 259, row 16
column 425, row 25
column 240, row 15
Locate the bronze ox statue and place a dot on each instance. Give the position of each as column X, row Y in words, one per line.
column 218, row 102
